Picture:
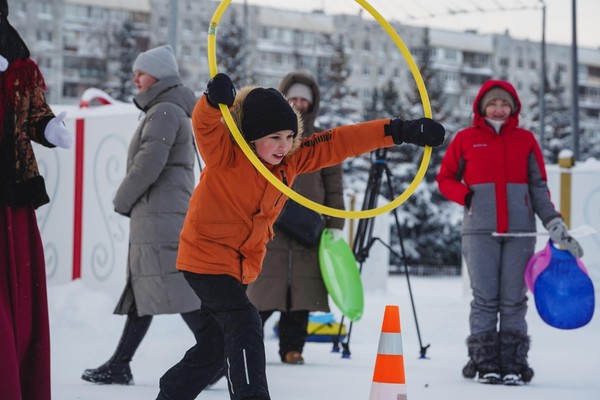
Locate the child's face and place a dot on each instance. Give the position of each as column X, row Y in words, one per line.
column 272, row 148
column 498, row 110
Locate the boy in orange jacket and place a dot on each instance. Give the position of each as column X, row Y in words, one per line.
column 231, row 216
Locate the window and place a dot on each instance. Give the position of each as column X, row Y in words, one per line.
column 70, row 39
column 44, row 9
column 188, row 27
column 70, row 90
column 594, row 72
column 43, row 36
column 450, row 54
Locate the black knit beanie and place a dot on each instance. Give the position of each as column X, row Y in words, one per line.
column 266, row 111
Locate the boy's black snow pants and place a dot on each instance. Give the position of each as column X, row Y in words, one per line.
column 230, row 335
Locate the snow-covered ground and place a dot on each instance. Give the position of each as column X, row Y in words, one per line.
column 566, row 363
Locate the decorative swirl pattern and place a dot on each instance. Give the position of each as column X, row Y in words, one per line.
column 50, row 162
column 109, row 167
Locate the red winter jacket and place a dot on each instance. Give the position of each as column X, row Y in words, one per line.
column 504, row 171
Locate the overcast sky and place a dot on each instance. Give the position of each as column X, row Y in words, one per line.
column 483, row 15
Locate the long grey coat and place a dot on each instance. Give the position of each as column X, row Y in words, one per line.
column 155, row 195
column 288, row 263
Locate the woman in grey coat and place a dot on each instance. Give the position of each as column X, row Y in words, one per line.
column 154, row 195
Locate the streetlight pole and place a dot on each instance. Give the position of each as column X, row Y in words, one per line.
column 246, row 41
column 543, row 78
column 575, row 85
column 173, row 15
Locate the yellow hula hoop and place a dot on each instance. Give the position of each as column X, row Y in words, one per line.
column 334, row 212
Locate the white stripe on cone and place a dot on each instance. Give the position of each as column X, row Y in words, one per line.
column 387, row 391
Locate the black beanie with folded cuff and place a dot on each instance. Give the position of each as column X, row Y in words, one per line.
column 266, row 111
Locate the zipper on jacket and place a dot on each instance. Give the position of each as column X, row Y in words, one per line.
column 285, row 182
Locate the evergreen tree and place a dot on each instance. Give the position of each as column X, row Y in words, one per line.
column 426, row 213
column 390, row 98
column 231, row 51
column 558, row 129
column 127, row 47
column 373, row 109
column 557, row 120
column 339, row 105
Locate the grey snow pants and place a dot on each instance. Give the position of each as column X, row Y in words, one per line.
column 496, row 268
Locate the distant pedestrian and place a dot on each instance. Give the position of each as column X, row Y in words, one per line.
column 496, row 171
column 154, row 195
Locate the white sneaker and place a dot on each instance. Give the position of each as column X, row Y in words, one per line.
column 512, row 380
column 491, row 378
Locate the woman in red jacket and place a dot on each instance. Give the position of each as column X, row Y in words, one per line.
column 231, row 216
column 496, row 170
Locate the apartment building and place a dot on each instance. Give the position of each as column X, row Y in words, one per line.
column 74, row 43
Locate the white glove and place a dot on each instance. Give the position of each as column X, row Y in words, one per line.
column 559, row 233
column 336, row 234
column 3, row 64
column 57, row 134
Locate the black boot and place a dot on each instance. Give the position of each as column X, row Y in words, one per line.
column 514, row 347
column 483, row 353
column 116, row 370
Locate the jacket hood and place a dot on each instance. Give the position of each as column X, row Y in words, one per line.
column 169, row 90
column 237, row 112
column 307, row 79
column 513, row 119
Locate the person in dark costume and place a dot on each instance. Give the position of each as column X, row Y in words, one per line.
column 25, row 116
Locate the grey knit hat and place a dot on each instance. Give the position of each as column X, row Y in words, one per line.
column 493, row 94
column 159, row 62
column 300, row 90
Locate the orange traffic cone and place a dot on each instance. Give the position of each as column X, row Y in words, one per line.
column 389, row 382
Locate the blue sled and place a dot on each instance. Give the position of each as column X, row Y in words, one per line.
column 564, row 293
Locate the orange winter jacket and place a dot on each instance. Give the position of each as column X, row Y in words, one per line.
column 232, row 210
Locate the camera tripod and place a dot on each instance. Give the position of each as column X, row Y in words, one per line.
column 364, row 241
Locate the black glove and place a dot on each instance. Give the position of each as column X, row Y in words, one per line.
column 422, row 132
column 220, row 89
